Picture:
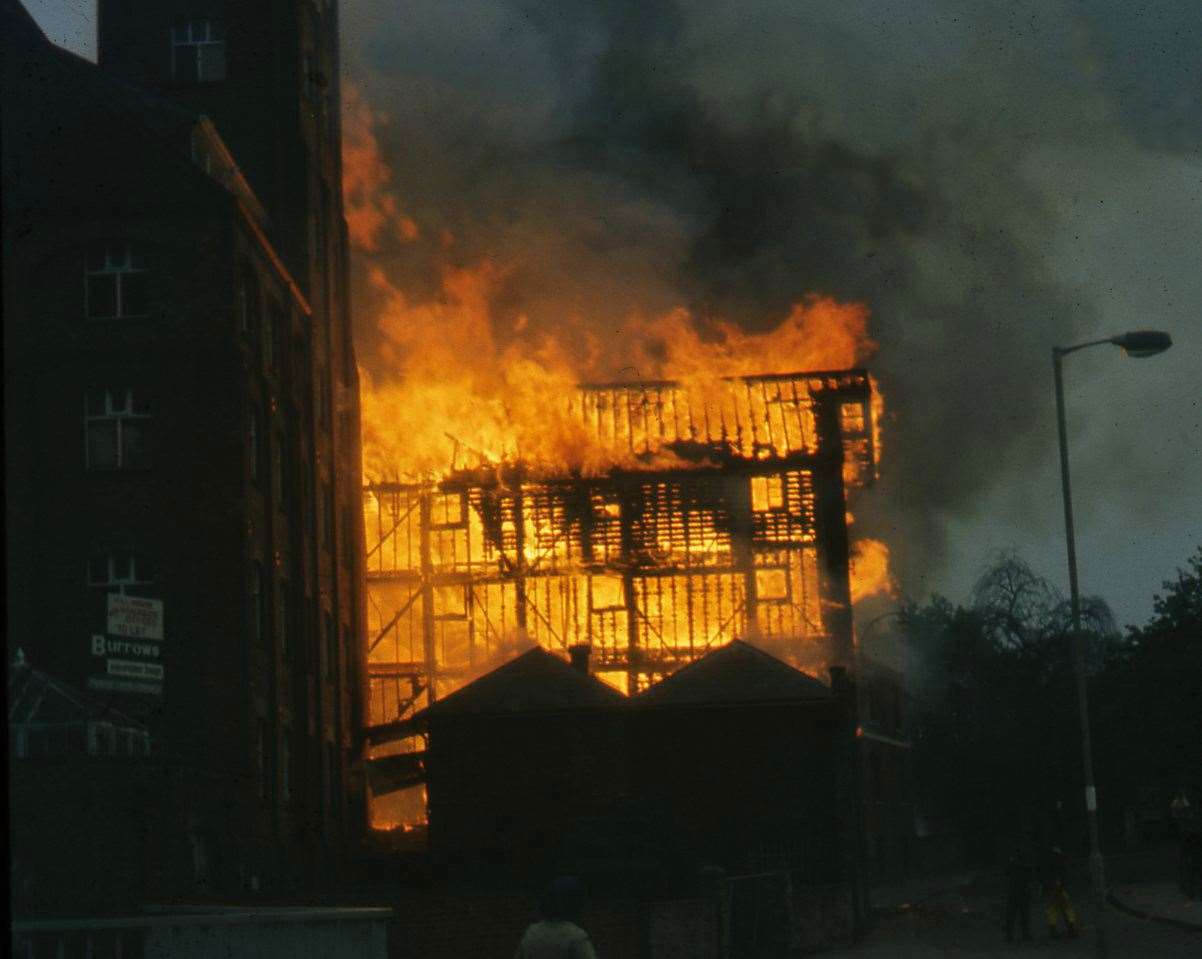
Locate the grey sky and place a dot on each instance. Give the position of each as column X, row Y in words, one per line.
column 1017, row 175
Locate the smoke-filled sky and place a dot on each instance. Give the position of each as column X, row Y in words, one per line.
column 990, row 179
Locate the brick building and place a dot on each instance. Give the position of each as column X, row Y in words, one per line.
column 181, row 414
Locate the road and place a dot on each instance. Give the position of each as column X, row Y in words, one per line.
column 970, row 924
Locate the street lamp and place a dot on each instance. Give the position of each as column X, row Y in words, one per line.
column 1138, row 343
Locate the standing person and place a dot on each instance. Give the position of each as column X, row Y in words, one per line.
column 557, row 935
column 1018, row 892
column 1056, row 901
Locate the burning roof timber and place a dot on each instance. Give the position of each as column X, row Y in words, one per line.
column 722, row 515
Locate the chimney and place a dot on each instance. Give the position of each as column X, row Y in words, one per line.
column 579, row 654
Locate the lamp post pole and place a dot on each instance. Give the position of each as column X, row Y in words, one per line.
column 1140, row 343
column 1097, row 868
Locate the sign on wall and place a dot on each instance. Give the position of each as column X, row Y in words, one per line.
column 135, row 616
column 130, row 646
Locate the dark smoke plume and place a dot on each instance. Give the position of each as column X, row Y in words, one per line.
column 921, row 157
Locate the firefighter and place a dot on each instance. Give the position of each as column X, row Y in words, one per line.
column 1056, row 902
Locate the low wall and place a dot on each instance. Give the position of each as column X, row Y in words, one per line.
column 266, row 933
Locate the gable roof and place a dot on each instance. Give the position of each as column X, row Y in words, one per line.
column 35, row 697
column 534, row 682
column 735, row 674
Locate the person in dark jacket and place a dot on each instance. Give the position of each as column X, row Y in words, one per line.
column 1019, row 874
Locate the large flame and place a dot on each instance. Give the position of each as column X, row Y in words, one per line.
column 461, row 397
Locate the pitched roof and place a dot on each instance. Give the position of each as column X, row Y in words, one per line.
column 35, row 697
column 735, row 674
column 534, row 682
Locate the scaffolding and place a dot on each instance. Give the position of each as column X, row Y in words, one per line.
column 738, row 532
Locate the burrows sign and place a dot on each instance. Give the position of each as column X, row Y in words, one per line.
column 134, row 629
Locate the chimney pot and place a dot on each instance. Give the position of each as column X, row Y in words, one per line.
column 579, row 655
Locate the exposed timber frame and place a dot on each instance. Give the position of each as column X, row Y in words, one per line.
column 739, row 531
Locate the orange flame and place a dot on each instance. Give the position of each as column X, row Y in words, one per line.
column 461, row 397
column 370, row 209
column 870, row 574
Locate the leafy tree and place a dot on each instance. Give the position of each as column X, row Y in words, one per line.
column 1148, row 702
column 996, row 727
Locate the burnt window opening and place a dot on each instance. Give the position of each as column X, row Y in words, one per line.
column 121, row 572
column 114, row 281
column 117, row 426
column 767, row 493
column 198, row 51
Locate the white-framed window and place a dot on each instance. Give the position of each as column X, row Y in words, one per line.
column 114, row 281
column 117, row 426
column 198, row 51
column 120, row 572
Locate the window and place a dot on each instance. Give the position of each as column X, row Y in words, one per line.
column 253, row 442
column 261, row 757
column 116, row 422
column 767, row 493
column 248, row 302
column 331, row 651
column 327, row 516
column 115, row 281
column 333, row 778
column 279, row 483
column 282, row 617
column 123, row 573
column 323, row 397
column 258, row 609
column 275, row 327
column 198, row 51
column 286, row 766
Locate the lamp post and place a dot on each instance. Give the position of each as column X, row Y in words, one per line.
column 1140, row 343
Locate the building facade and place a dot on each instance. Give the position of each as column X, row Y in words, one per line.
column 181, row 410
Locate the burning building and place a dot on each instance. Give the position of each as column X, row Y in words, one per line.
column 725, row 518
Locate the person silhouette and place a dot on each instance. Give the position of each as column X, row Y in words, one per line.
column 558, row 934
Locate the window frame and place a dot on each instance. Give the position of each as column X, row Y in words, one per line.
column 116, row 259
column 132, row 408
column 114, row 582
column 198, row 35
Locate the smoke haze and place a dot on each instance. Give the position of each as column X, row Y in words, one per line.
column 989, row 179
column 939, row 162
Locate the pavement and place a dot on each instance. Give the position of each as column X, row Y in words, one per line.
column 962, row 916
column 1162, row 900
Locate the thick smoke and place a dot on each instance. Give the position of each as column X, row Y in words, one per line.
column 921, row 157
